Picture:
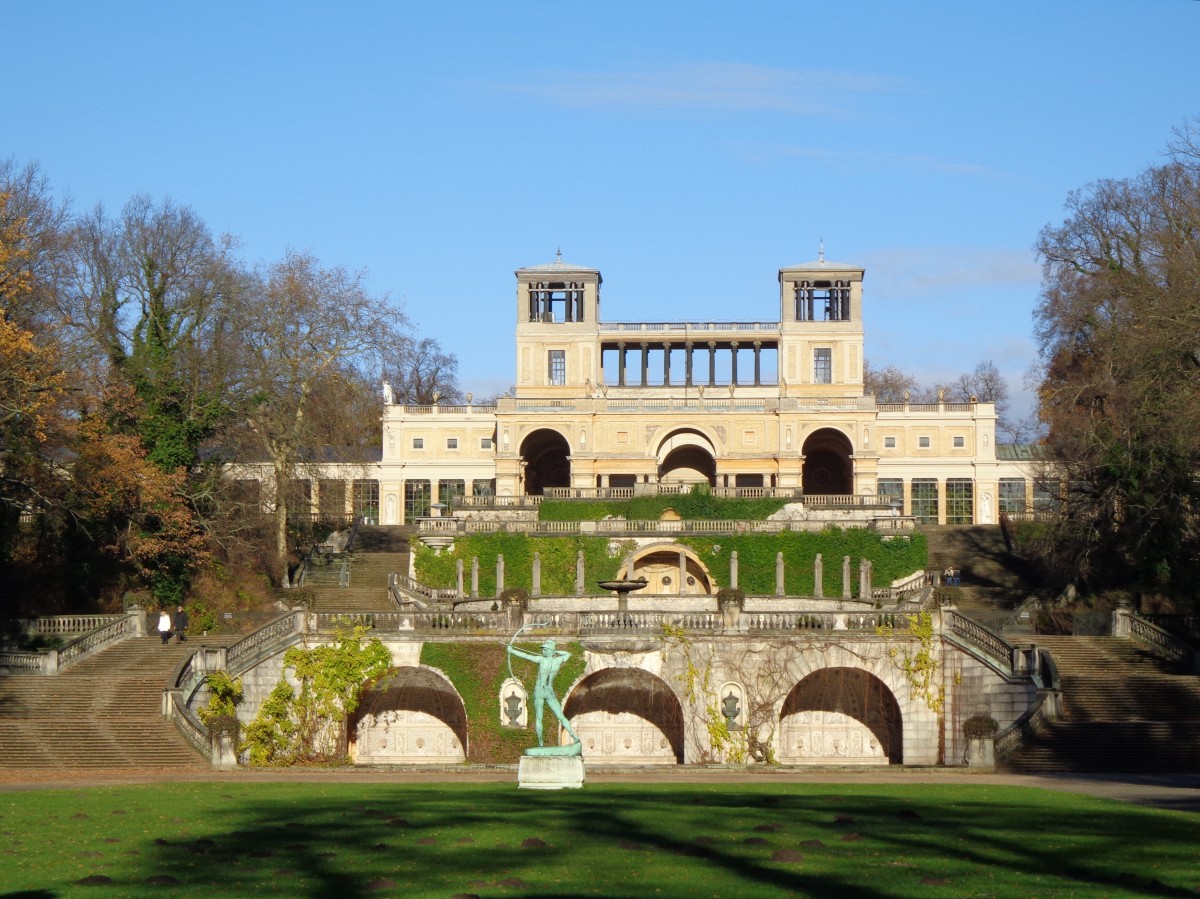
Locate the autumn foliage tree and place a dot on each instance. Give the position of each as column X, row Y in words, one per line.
column 1119, row 328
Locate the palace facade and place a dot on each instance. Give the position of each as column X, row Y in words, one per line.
column 751, row 407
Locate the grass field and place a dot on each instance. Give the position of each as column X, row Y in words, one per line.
column 351, row 840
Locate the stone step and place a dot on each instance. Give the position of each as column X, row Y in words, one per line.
column 103, row 712
column 1111, row 746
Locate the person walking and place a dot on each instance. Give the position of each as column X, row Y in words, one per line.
column 164, row 626
column 181, row 624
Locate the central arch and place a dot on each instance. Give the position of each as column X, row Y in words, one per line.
column 670, row 569
column 828, row 467
column 546, row 459
column 626, row 716
column 687, row 456
column 842, row 716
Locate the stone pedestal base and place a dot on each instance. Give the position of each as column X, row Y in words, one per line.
column 550, row 773
column 981, row 754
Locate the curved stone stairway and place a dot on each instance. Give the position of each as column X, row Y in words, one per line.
column 1123, row 710
column 103, row 712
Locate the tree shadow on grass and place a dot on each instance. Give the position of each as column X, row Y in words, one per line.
column 619, row 840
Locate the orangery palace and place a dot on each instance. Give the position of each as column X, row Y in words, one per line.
column 767, row 407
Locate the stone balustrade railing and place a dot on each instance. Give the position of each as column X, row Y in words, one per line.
column 43, row 662
column 93, row 641
column 106, row 630
column 987, row 641
column 1159, row 641
column 54, row 625
column 434, row 527
column 263, row 642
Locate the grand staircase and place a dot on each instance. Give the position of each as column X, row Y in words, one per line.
column 994, row 580
column 378, row 552
column 103, row 712
column 1124, row 710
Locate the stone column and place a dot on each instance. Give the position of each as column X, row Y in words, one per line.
column 499, row 574
column 864, row 580
column 666, row 365
column 645, row 363
column 620, row 365
column 712, row 363
column 818, row 577
column 579, row 573
column 458, row 570
column 779, row 574
column 757, row 363
column 687, row 364
column 682, row 572
column 475, row 576
column 733, row 348
column 733, row 569
column 845, row 577
column 536, row 586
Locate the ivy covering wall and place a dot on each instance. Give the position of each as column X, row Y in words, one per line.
column 698, row 504
column 477, row 671
column 892, row 559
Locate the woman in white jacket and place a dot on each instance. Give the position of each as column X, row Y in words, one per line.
column 164, row 626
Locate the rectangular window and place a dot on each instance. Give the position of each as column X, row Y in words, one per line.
column 483, row 487
column 557, row 367
column 960, row 442
column 485, row 443
column 365, row 495
column 416, row 500
column 889, row 442
column 925, row 500
column 450, row 489
column 1044, row 496
column 1012, row 494
column 331, row 496
column 823, row 366
column 923, row 442
column 451, row 443
column 418, row 443
column 960, row 501
column 891, row 491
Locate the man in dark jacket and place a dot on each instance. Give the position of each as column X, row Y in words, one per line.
column 180, row 622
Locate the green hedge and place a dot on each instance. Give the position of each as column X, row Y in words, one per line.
column 698, row 504
column 893, row 559
column 477, row 671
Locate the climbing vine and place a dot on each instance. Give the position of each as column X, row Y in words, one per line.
column 307, row 724
column 923, row 668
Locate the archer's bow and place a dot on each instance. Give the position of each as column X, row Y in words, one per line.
column 514, row 637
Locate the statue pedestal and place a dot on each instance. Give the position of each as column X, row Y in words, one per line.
column 549, row 772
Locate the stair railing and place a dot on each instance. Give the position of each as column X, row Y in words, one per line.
column 55, row 661
column 1154, row 638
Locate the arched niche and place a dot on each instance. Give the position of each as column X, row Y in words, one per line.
column 412, row 715
column 842, row 716
column 626, row 716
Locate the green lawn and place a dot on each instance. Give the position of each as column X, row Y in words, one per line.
column 348, row 840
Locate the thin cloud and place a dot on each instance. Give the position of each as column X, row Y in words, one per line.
column 926, row 271
column 707, row 86
column 853, row 160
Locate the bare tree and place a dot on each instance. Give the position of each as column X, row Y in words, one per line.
column 1119, row 327
column 307, row 334
column 422, row 374
column 889, row 385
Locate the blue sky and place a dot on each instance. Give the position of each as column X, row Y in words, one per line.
column 686, row 150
